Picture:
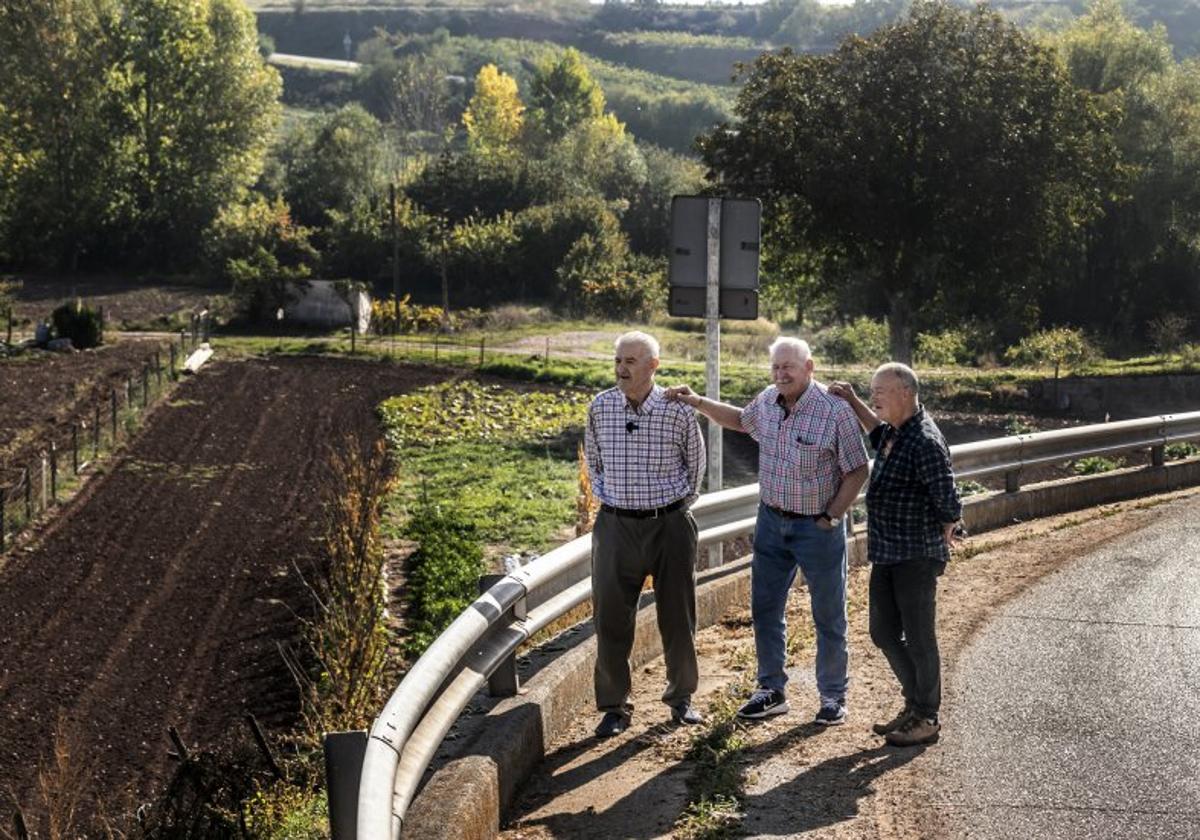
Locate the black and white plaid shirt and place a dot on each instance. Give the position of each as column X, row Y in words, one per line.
column 912, row 495
column 646, row 458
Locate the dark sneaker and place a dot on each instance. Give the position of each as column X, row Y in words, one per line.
column 917, row 731
column 613, row 723
column 764, row 702
column 901, row 718
column 832, row 712
column 686, row 714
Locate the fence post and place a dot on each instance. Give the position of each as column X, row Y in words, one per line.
column 96, row 433
column 158, row 369
column 129, row 393
column 53, row 472
column 10, row 320
column 1158, row 455
column 174, row 365
column 546, row 359
column 28, row 495
column 1012, row 481
column 481, row 340
column 504, row 682
column 145, row 384
column 114, row 417
column 75, row 448
column 436, row 340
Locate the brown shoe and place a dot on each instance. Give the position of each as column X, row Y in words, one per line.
column 902, row 717
column 917, row 731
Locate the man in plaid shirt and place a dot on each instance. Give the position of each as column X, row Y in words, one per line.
column 913, row 513
column 645, row 457
column 811, row 464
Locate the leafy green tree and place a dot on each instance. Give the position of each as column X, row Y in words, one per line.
column 495, row 115
column 57, row 151
column 1141, row 257
column 941, row 160
column 597, row 157
column 647, row 222
column 198, row 105
column 562, row 95
column 1058, row 347
column 335, row 162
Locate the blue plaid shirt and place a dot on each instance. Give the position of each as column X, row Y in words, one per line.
column 912, row 495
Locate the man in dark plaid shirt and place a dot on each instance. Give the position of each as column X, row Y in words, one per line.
column 645, row 457
column 913, row 513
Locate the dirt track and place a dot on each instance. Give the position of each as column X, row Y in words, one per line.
column 157, row 597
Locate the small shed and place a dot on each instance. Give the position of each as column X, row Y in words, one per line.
column 320, row 303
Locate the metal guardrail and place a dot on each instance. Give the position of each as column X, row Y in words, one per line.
column 435, row 691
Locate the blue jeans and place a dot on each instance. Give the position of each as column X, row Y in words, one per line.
column 781, row 544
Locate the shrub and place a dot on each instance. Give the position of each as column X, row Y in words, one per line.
column 1094, row 465
column 861, row 341
column 1168, row 332
column 1179, row 451
column 445, row 570
column 943, row 349
column 80, row 323
column 1059, row 347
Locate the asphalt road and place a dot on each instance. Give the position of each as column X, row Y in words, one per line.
column 1076, row 712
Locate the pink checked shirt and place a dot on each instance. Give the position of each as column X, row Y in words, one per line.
column 802, row 456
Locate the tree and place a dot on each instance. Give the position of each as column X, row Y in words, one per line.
column 1142, row 256
column 1058, row 346
column 942, row 160
column 199, row 104
column 58, row 150
column 563, row 94
column 495, row 114
column 334, row 162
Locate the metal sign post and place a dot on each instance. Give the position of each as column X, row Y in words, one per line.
column 712, row 356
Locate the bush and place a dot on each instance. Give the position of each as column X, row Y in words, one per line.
column 1094, row 465
column 444, row 576
column 1058, row 347
column 1180, row 451
column 942, row 349
column 861, row 341
column 1168, row 332
column 80, row 323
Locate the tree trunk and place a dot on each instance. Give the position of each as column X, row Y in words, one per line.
column 900, row 331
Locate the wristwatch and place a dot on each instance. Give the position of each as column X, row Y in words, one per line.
column 832, row 520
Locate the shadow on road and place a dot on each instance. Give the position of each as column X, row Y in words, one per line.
column 824, row 794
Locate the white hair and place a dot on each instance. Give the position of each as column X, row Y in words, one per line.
column 797, row 344
column 640, row 338
column 906, row 375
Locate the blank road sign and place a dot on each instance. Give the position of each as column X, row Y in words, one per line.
column 689, row 243
column 739, row 242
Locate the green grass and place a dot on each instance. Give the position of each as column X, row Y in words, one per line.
column 506, row 459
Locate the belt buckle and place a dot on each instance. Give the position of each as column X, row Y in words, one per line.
column 656, row 510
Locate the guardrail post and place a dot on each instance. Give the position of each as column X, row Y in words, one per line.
column 504, row 681
column 1158, row 455
column 1012, row 481
column 344, row 753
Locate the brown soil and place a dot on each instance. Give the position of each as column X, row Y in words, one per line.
column 128, row 303
column 801, row 780
column 157, row 597
column 43, row 392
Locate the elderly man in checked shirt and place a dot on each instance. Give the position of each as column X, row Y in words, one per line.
column 913, row 512
column 811, row 464
column 645, row 457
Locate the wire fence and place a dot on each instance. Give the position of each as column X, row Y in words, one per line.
column 63, row 457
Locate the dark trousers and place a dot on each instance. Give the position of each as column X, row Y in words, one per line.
column 903, row 619
column 624, row 552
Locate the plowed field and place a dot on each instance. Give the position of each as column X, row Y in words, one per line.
column 157, row 597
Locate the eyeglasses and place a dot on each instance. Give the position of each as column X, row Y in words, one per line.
column 630, row 427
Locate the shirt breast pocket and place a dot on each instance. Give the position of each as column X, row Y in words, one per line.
column 806, row 457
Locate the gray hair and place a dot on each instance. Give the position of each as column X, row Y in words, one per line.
column 798, row 344
column 640, row 338
column 906, row 375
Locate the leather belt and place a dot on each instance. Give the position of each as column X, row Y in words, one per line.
column 787, row 514
column 648, row 513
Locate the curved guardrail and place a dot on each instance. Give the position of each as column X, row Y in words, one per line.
column 435, row 691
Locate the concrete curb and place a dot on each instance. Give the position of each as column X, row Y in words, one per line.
column 466, row 798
